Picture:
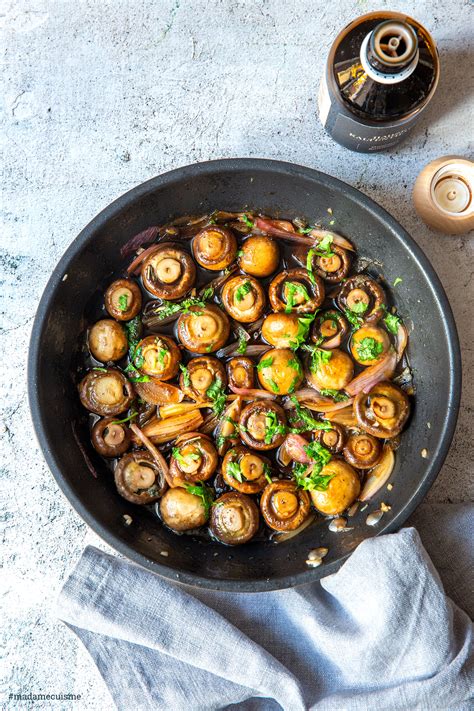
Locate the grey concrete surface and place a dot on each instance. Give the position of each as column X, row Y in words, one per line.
column 99, row 95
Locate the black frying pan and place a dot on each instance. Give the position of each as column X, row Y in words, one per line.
column 274, row 188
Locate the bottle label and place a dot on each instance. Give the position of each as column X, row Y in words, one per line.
column 360, row 137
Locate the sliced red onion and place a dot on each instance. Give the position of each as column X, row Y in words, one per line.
column 233, row 350
column 132, row 268
column 326, row 407
column 155, row 453
column 365, row 381
column 378, row 476
column 252, row 392
column 401, row 340
column 269, row 228
column 295, row 446
column 139, row 240
column 337, row 239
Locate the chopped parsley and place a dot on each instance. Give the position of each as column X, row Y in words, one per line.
column 265, row 363
column 186, row 376
column 169, row 308
column 125, row 419
column 309, row 264
column 216, row 393
column 100, row 370
column 240, row 253
column 307, row 419
column 267, row 472
column 273, row 426
column 242, row 291
column 323, row 248
column 233, row 468
column 176, row 452
column 355, row 321
column 246, row 220
column 123, row 302
column 162, row 354
column 398, row 280
column 336, row 395
column 242, row 348
column 133, row 329
column 296, row 365
column 360, row 307
column 139, row 378
column 318, row 357
column 308, row 476
column 392, row 322
column 204, row 492
column 304, row 323
column 293, row 289
column 369, row 348
column 208, row 293
column 273, row 385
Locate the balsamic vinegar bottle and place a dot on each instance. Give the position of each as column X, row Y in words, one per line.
column 381, row 74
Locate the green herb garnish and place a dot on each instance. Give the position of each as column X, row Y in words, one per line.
column 265, row 363
column 133, row 330
column 369, row 348
column 296, row 365
column 273, row 426
column 293, row 289
column 398, row 280
column 323, row 247
column 139, row 378
column 233, row 468
column 392, row 322
column 307, row 419
column 176, row 452
column 186, row 376
column 125, row 419
column 309, row 264
column 242, row 290
column 355, row 321
column 100, row 370
column 267, row 472
column 123, row 302
column 308, row 477
column 304, row 323
column 208, row 293
column 204, row 492
column 360, row 307
column 216, row 393
column 273, row 385
column 336, row 395
column 318, row 357
column 242, row 349
column 246, row 220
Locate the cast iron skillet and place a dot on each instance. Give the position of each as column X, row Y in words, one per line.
column 275, row 188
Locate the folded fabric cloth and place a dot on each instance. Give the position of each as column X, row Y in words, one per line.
column 378, row 634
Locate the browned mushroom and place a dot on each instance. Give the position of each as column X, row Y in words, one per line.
column 263, row 425
column 362, row 450
column 168, row 272
column 363, row 297
column 244, row 470
column 282, row 330
column 182, row 510
column 332, row 266
column 198, row 376
column 110, row 438
column 106, row 392
column 234, row 518
column 280, row 371
column 107, row 341
column 139, row 479
column 215, row 248
column 369, row 344
column 329, row 329
column 194, row 459
column 330, row 370
column 293, row 291
column 284, row 507
column 342, row 490
column 243, row 298
column 259, row 256
column 123, row 299
column 240, row 371
column 157, row 356
column 203, row 329
column 332, row 439
column 383, row 411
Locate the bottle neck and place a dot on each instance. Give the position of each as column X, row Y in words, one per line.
column 389, row 54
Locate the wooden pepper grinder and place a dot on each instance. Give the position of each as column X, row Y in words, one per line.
column 444, row 194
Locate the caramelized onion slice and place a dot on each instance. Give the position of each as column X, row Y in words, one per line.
column 379, row 475
column 160, row 431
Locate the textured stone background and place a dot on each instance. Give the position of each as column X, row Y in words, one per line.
column 99, row 95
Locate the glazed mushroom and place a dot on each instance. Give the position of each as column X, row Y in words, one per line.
column 329, row 329
column 215, row 248
column 293, row 291
column 194, row 459
column 244, row 470
column 168, row 272
column 262, row 425
column 198, row 376
column 280, row 371
column 332, row 439
column 333, row 266
column 110, row 438
column 139, row 479
column 234, row 518
column 362, row 451
column 106, row 392
column 123, row 299
column 363, row 297
column 259, row 256
column 383, row 411
column 240, row 371
column 332, row 371
column 107, row 341
column 281, row 330
column 181, row 510
column 369, row 344
column 284, row 507
column 243, row 298
column 157, row 356
column 342, row 490
column 203, row 329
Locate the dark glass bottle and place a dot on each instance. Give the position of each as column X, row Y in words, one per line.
column 382, row 72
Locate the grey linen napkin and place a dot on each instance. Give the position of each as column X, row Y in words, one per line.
column 378, row 634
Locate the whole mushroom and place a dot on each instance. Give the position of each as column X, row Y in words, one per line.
column 280, row 371
column 203, row 329
column 215, row 247
column 262, row 425
column 240, row 372
column 107, row 341
column 157, row 356
column 182, row 510
column 369, row 344
column 168, row 272
column 110, row 438
column 363, row 297
column 194, row 459
column 234, row 518
column 293, row 291
column 362, row 450
column 383, row 411
column 198, row 376
column 259, row 256
column 342, row 490
column 123, row 299
column 106, row 392
column 244, row 470
column 139, row 479
column 243, row 298
column 332, row 370
column 284, row 507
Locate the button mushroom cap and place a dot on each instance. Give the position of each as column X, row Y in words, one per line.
column 334, row 374
column 362, row 290
column 280, row 371
column 342, row 490
column 333, row 268
column 123, row 299
column 110, row 438
column 203, row 329
column 329, row 329
column 260, row 256
column 280, row 329
column 240, row 372
column 157, row 356
column 362, row 450
column 215, row 248
column 194, row 459
column 383, row 411
column 107, row 341
column 243, row 298
column 138, row 478
column 284, row 507
column 181, row 510
column 332, row 439
column 293, row 285
column 251, row 470
column 200, row 374
column 234, row 518
column 106, row 392
column 168, row 272
column 256, row 422
column 380, row 342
